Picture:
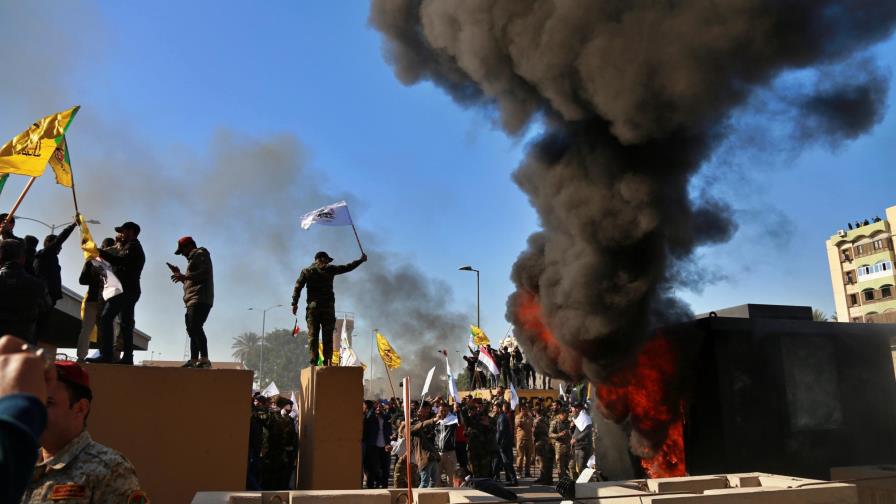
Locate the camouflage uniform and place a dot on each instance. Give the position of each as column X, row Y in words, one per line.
column 85, row 471
column 524, row 446
column 544, row 450
column 561, row 436
column 276, row 466
column 320, row 315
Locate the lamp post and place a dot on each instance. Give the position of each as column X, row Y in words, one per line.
column 264, row 314
column 53, row 227
column 470, row 268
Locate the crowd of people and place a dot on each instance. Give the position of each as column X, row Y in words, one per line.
column 273, row 444
column 475, row 438
column 31, row 285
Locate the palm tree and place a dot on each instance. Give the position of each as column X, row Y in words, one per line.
column 245, row 347
column 819, row 316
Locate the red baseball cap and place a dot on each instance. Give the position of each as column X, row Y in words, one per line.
column 183, row 241
column 71, row 372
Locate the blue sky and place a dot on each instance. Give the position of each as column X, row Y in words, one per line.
column 428, row 180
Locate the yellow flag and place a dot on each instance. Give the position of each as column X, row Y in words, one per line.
column 28, row 152
column 87, row 243
column 479, row 337
column 390, row 358
column 62, row 164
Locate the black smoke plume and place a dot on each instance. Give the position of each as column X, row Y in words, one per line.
column 634, row 96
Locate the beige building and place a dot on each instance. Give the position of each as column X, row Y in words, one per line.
column 861, row 262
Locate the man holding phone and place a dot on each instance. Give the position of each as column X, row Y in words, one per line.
column 199, row 295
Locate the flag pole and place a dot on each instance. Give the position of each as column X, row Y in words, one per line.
column 21, row 197
column 407, row 435
column 389, row 375
column 357, row 239
column 74, row 194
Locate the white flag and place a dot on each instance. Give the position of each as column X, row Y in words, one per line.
column 330, row 215
column 348, row 358
column 582, row 420
column 427, row 382
column 271, row 390
column 514, row 398
column 562, row 392
column 295, row 406
column 450, row 419
column 452, row 383
column 111, row 284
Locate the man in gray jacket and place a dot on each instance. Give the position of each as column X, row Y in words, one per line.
column 199, row 295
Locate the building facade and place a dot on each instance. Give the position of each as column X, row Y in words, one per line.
column 861, row 262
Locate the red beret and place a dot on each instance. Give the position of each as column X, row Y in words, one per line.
column 73, row 373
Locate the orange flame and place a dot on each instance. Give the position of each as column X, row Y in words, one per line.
column 643, row 393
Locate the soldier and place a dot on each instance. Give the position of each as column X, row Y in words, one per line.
column 72, row 466
column 524, row 445
column 284, row 431
column 320, row 314
column 23, row 298
column 544, row 450
column 7, row 226
column 560, row 434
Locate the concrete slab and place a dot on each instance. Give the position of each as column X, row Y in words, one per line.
column 881, row 489
column 329, row 433
column 183, row 429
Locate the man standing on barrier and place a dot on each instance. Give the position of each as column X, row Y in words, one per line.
column 321, row 311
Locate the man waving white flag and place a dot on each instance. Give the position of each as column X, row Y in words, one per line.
column 330, row 215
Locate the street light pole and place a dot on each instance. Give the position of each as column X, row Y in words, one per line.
column 53, row 227
column 470, row 268
column 264, row 315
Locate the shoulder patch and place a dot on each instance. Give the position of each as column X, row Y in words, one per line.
column 68, row 491
column 138, row 497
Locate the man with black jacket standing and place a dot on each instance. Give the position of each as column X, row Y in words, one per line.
column 504, row 434
column 127, row 260
column 47, row 270
column 46, row 262
column 581, row 438
column 446, row 431
column 199, row 294
column 375, row 437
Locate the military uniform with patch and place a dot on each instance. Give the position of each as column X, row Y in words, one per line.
column 524, row 445
column 561, row 436
column 544, row 450
column 320, row 315
column 85, row 472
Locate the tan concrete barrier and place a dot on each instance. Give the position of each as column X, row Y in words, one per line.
column 183, row 429
column 330, row 428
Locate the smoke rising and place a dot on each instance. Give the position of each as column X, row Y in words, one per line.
column 634, row 98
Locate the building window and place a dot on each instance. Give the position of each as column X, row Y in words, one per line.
column 863, row 270
column 853, row 300
column 850, row 278
column 868, row 294
column 882, row 266
column 878, row 244
column 858, row 249
column 857, row 319
column 886, row 291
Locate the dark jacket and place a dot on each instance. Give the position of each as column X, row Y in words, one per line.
column 372, row 428
column 92, row 277
column 504, row 431
column 445, row 437
column 22, row 299
column 199, row 285
column 23, row 418
column 127, row 262
column 319, row 282
column 46, row 264
column 583, row 438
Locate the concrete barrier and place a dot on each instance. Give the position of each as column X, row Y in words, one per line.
column 183, row 429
